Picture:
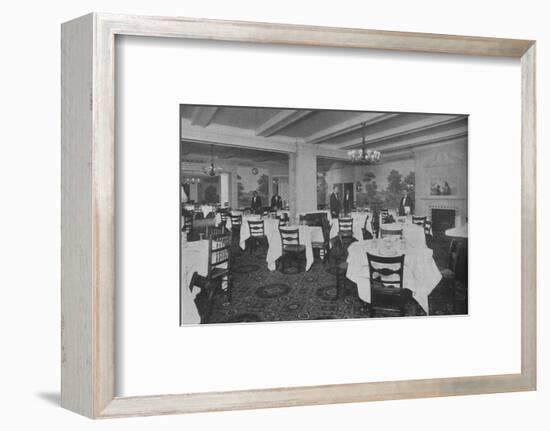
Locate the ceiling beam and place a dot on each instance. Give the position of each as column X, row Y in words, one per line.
column 281, row 120
column 203, row 116
column 424, row 124
column 348, row 126
column 432, row 138
column 234, row 137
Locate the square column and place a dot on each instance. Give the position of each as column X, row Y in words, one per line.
column 303, row 180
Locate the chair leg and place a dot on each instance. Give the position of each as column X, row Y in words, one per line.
column 229, row 287
column 210, row 302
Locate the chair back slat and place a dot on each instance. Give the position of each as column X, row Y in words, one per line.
column 345, row 226
column 236, row 220
column 419, row 220
column 283, row 221
column 256, row 227
column 187, row 221
column 428, row 227
column 289, row 236
column 219, row 250
column 224, row 214
column 387, row 271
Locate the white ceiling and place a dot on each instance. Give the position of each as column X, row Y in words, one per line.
column 333, row 131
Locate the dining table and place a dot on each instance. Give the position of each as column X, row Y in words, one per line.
column 460, row 232
column 412, row 233
column 420, row 273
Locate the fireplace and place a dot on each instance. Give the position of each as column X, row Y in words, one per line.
column 443, row 219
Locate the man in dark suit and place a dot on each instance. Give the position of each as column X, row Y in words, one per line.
column 256, row 204
column 335, row 206
column 276, row 202
column 406, row 201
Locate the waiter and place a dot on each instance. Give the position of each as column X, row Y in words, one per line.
column 335, row 206
column 276, row 202
column 405, row 204
column 256, row 204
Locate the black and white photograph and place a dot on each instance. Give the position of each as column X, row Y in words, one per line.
column 293, row 214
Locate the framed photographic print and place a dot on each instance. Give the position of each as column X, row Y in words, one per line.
column 314, row 196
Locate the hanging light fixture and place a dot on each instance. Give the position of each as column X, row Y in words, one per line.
column 192, row 180
column 363, row 155
column 211, row 170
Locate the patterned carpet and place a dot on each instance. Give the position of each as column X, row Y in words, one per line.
column 260, row 295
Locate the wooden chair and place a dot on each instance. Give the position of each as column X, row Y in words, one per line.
column 366, row 233
column 419, row 220
column 292, row 250
column 219, row 272
column 257, row 235
column 215, row 230
column 324, row 245
column 388, row 233
column 283, row 220
column 386, row 284
column 345, row 231
column 388, row 218
column 187, row 226
column 428, row 231
column 236, row 222
column 224, row 215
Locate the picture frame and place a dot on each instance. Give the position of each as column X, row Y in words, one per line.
column 88, row 204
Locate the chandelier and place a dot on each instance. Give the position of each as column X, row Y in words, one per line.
column 362, row 155
column 211, row 170
column 192, row 180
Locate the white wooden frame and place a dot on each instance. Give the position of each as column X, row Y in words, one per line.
column 88, row 217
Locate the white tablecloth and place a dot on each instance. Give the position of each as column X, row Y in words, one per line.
column 194, row 258
column 276, row 249
column 458, row 232
column 207, row 209
column 420, row 273
column 413, row 234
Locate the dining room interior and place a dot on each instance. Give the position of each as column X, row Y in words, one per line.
column 293, row 214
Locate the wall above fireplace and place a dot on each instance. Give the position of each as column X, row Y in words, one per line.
column 447, row 161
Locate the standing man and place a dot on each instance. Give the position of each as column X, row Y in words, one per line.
column 256, row 204
column 335, row 206
column 405, row 204
column 276, row 202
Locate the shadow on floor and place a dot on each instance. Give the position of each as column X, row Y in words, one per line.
column 53, row 398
